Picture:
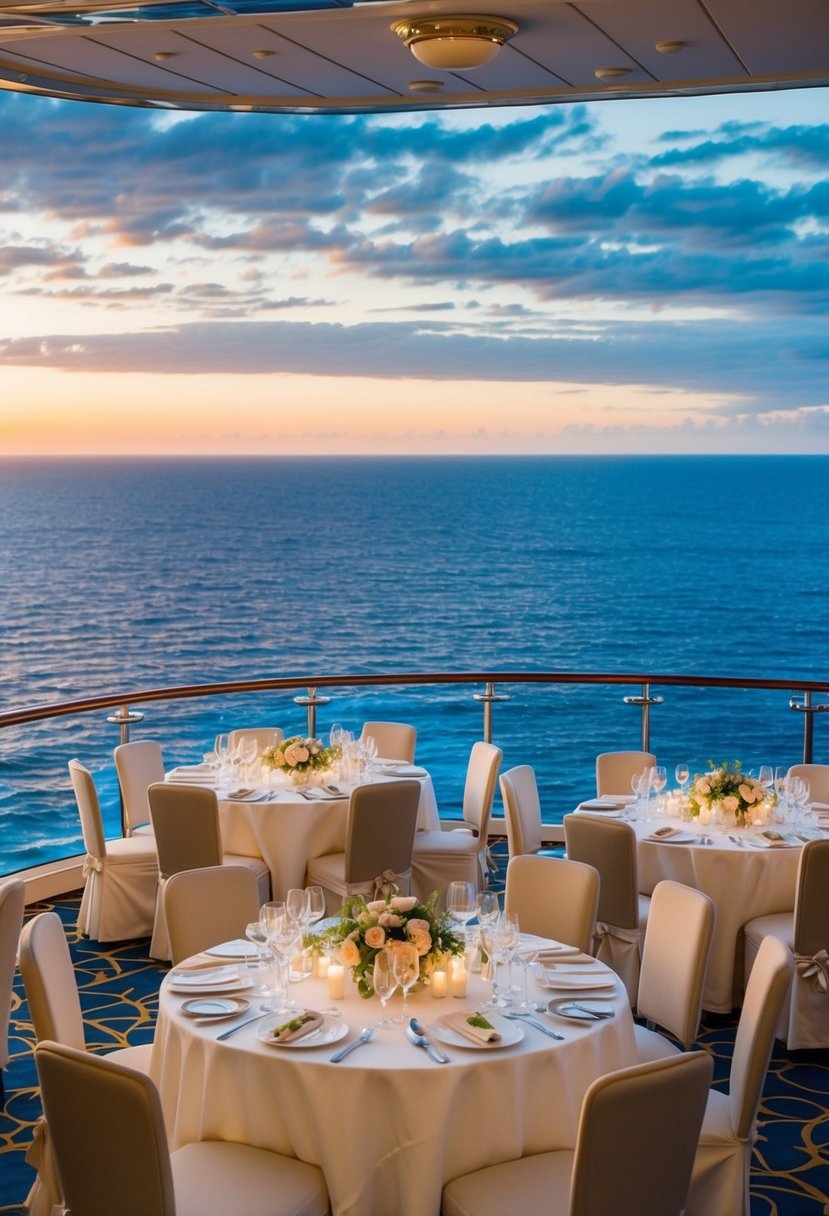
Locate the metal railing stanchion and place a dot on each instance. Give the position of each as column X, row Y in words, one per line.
column 124, row 718
column 488, row 698
column 808, row 709
column 646, row 701
column 311, row 701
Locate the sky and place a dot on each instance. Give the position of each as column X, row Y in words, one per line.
column 627, row 276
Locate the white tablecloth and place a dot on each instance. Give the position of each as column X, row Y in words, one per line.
column 387, row 1126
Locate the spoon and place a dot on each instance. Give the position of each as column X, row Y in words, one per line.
column 365, row 1034
column 414, row 1032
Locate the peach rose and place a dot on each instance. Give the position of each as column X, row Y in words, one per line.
column 349, row 953
column 731, row 803
column 748, row 793
column 422, row 942
column 375, row 937
column 389, row 920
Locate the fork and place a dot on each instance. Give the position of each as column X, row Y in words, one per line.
column 365, row 1034
column 526, row 1017
column 736, row 840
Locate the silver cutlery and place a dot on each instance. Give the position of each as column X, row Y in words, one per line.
column 240, row 1026
column 414, row 1032
column 365, row 1034
column 527, row 1017
column 736, row 840
column 599, row 1014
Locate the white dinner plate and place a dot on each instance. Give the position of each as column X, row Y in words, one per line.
column 214, row 1006
column 553, row 950
column 212, row 979
column 601, row 804
column 510, row 1032
column 331, row 1031
column 240, row 948
column 577, row 1011
column 245, row 793
column 581, row 981
column 674, row 836
column 399, row 769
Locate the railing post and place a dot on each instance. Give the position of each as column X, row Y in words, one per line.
column 488, row 698
column 646, row 701
column 311, row 701
column 125, row 719
column 808, row 709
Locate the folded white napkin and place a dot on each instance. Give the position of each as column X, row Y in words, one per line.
column 461, row 1023
column 665, row 833
column 601, row 804
column 203, row 976
column 298, row 1027
column 195, row 774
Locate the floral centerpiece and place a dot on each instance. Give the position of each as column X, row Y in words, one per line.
column 300, row 757
column 366, row 928
column 727, row 795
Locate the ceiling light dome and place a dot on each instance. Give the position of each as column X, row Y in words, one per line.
column 455, row 43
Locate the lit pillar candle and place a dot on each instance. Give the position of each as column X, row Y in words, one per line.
column 336, row 981
column 459, row 976
column 439, row 982
column 321, row 962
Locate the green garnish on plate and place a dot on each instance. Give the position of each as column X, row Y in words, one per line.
column 293, row 1025
column 478, row 1020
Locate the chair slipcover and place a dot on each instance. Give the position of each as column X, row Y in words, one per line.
column 522, row 811
column 121, row 875
column 12, row 901
column 675, row 957
column 205, row 907
column 719, row 1182
column 186, row 824
column 395, row 740
column 138, row 766
column 553, row 897
column 635, row 1149
column 265, row 736
column 610, row 846
column 614, row 771
column 817, row 778
column 804, row 1020
column 439, row 858
column 108, row 1133
column 382, row 820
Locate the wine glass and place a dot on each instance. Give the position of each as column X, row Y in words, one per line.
column 460, row 904
column 406, row 969
column 222, row 749
column 682, row 773
column 298, row 906
column 283, row 936
column 316, row 904
column 259, row 938
column 495, row 938
column 512, row 938
column 766, row 776
column 487, row 907
column 525, row 957
column 384, row 983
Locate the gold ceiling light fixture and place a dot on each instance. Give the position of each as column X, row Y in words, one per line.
column 455, row 44
column 263, row 54
column 670, row 48
column 612, row 73
column 163, row 56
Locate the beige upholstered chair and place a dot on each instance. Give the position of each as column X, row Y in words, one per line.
column 634, row 1152
column 817, row 777
column 614, row 771
column 205, row 907
column 553, row 897
column 107, row 1129
column 138, row 766
column 804, row 1021
column 265, row 736
column 439, row 858
column 12, row 901
column 610, row 846
column 186, row 824
column 719, row 1182
column 674, row 962
column 522, row 811
column 121, row 875
column 382, row 819
column 395, row 740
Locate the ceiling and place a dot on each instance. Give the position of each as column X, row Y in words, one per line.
column 342, row 57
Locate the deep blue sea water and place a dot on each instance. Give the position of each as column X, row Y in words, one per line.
column 120, row 575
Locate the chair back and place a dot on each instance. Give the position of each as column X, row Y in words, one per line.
column 265, row 736
column 675, row 958
column 395, row 740
column 205, row 907
column 89, row 809
column 186, row 824
column 614, row 770
column 479, row 788
column 811, row 905
column 138, row 766
column 49, row 981
column 106, row 1129
column 817, row 776
column 553, row 897
column 766, row 990
column 382, row 819
column 637, row 1138
column 522, row 810
column 609, row 846
column 12, row 902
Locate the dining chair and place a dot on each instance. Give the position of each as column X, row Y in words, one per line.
column 380, row 830
column 185, row 820
column 553, row 897
column 121, row 875
column 634, row 1152
column 522, row 812
column 395, row 740
column 205, row 907
column 107, row 1128
column 817, row 778
column 804, row 1020
column 610, row 847
column 138, row 766
column 615, row 770
column 720, row 1177
column 675, row 956
column 12, row 902
column 439, row 858
column 265, row 736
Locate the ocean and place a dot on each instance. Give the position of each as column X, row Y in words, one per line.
column 121, row 575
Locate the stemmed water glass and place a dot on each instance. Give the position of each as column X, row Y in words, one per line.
column 283, row 937
column 316, row 904
column 298, row 908
column 525, row 957
column 487, row 907
column 496, row 937
column 460, row 904
column 384, row 983
column 406, row 970
column 255, row 934
column 682, row 773
column 659, row 779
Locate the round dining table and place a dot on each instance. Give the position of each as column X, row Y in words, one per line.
column 387, row 1125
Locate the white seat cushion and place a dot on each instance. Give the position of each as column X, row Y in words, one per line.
column 651, row 1045
column 214, row 1178
column 533, row 1186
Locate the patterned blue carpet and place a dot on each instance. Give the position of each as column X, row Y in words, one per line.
column 119, row 987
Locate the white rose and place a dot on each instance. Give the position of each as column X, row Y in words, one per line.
column 389, row 920
column 403, row 903
column 422, row 942
column 376, row 905
column 702, row 786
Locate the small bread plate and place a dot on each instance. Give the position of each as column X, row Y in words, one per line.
column 235, row 949
column 245, row 794
column 668, row 835
column 331, row 1031
column 215, row 979
column 576, row 981
column 214, row 1006
column 510, row 1032
column 591, row 1009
